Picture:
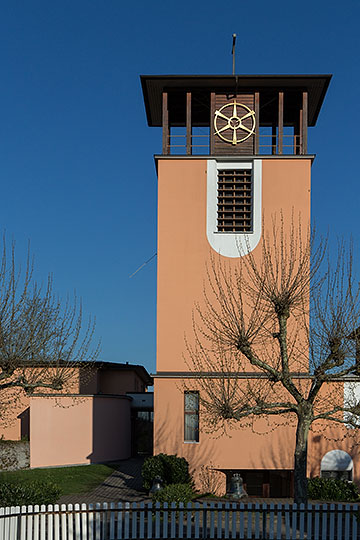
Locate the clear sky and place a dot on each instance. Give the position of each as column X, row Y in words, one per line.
column 76, row 156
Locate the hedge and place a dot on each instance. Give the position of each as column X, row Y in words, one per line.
column 16, row 494
column 171, row 469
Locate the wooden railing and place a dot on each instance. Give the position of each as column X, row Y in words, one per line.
column 200, row 145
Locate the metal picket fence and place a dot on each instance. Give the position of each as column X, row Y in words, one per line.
column 200, row 520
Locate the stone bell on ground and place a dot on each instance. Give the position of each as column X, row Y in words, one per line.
column 236, row 490
column 157, row 485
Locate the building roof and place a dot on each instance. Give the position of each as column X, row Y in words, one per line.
column 98, row 365
column 139, row 370
column 268, row 85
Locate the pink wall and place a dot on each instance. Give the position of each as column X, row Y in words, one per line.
column 183, row 252
column 267, row 444
column 15, row 405
column 119, row 382
column 183, row 247
column 60, row 431
column 111, row 429
column 13, row 418
column 70, row 430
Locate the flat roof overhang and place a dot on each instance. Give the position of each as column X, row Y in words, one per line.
column 153, row 87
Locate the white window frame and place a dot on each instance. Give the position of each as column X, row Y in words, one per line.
column 233, row 244
column 192, row 413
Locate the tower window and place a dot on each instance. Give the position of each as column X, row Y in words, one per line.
column 191, row 417
column 235, row 201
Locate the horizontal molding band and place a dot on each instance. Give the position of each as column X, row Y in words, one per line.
column 237, row 375
column 112, row 396
column 234, row 157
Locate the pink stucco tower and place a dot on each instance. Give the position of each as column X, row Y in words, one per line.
column 234, row 153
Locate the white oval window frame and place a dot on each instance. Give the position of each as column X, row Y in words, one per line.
column 336, row 460
column 232, row 244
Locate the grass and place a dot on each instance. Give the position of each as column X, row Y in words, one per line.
column 71, row 480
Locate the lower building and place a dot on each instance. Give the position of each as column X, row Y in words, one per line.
column 95, row 419
column 261, row 451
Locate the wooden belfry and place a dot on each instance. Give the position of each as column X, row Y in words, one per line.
column 243, row 115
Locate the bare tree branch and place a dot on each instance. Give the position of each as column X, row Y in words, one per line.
column 284, row 310
column 42, row 339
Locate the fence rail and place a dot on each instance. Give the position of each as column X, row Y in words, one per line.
column 200, row 520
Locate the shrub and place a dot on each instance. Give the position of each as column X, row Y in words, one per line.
column 14, row 494
column 178, row 493
column 171, row 469
column 331, row 489
column 153, row 466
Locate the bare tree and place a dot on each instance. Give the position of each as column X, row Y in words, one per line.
column 42, row 340
column 274, row 335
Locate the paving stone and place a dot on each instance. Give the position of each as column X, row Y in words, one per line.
column 123, row 485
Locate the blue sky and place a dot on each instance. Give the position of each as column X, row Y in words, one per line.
column 76, row 156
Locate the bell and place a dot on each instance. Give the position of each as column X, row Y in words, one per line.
column 236, row 490
column 156, row 484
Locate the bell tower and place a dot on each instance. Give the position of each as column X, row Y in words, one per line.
column 245, row 115
column 234, row 153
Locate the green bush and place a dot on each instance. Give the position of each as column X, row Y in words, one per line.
column 178, row 493
column 171, row 469
column 16, row 494
column 153, row 466
column 331, row 489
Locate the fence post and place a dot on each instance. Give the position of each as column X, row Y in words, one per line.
column 43, row 522
column 204, row 520
column 14, row 523
column 77, row 521
column 63, row 522
column 149, row 520
column 112, row 522
column 49, row 523
column 70, row 516
column 197, row 520
column 264, row 518
column 287, row 520
column 172, row 520
column 22, row 518
column 119, row 533
column 134, row 520
column 189, row 516
column 127, row 521
column 249, row 523
column 104, row 520
column 324, row 520
column 257, row 521
column 56, row 522
column 142, row 520
column 165, row 520
column 294, row 519
column 84, row 521
column 181, row 520
column 302, row 519
column 347, row 522
column 355, row 516
column 6, row 521
column 91, row 522
column 36, row 522
column 157, row 520
column 97, row 521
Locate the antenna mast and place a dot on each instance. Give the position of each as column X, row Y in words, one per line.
column 233, row 53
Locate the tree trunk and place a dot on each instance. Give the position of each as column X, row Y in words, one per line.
column 300, row 461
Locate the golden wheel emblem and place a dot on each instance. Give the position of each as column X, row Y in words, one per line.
column 233, row 120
